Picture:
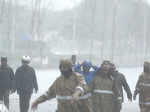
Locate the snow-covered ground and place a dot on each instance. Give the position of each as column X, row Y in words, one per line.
column 46, row 77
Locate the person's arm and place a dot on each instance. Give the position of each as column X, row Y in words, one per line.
column 137, row 88
column 95, row 67
column 77, row 68
column 126, row 88
column 117, row 93
column 81, row 87
column 17, row 79
column 12, row 78
column 35, row 84
column 81, row 83
column 51, row 93
column 91, row 85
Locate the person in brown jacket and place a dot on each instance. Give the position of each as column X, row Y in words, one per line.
column 67, row 89
column 103, row 89
column 143, row 89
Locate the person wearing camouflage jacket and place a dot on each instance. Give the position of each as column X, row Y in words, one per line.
column 143, row 89
column 103, row 89
column 68, row 89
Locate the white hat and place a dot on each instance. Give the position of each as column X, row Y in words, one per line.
column 26, row 59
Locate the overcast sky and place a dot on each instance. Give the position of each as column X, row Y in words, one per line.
column 53, row 4
column 58, row 5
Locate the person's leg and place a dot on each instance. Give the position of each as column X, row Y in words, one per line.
column 118, row 107
column 107, row 103
column 115, row 109
column 96, row 103
column 24, row 102
column 27, row 102
column 84, row 106
column 143, row 109
column 148, row 109
column 21, row 102
column 6, row 99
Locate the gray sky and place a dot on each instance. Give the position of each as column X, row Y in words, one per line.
column 55, row 5
column 58, row 5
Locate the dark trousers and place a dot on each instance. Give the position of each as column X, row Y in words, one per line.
column 24, row 100
column 4, row 96
column 117, row 106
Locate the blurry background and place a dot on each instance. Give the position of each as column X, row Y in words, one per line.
column 92, row 29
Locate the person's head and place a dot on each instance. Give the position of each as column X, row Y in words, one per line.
column 86, row 66
column 65, row 67
column 112, row 70
column 105, row 66
column 112, row 67
column 146, row 67
column 26, row 60
column 73, row 59
column 3, row 61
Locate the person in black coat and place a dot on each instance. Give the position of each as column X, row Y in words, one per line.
column 7, row 85
column 121, row 81
column 26, row 83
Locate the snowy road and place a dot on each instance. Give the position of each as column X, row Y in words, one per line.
column 46, row 78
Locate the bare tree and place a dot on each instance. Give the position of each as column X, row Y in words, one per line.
column 2, row 6
column 14, row 14
column 36, row 10
column 9, row 24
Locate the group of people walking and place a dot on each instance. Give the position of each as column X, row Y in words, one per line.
column 80, row 87
column 23, row 81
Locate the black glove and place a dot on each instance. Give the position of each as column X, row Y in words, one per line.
column 130, row 98
column 119, row 104
column 134, row 97
column 35, row 90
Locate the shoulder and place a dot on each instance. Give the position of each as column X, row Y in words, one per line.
column 30, row 68
column 141, row 75
column 19, row 68
column 77, row 74
column 9, row 68
column 59, row 79
column 121, row 75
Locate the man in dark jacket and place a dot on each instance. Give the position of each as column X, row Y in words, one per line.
column 6, row 81
column 26, row 82
column 122, row 83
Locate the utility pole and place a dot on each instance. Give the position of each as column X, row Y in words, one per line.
column 36, row 9
column 2, row 6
